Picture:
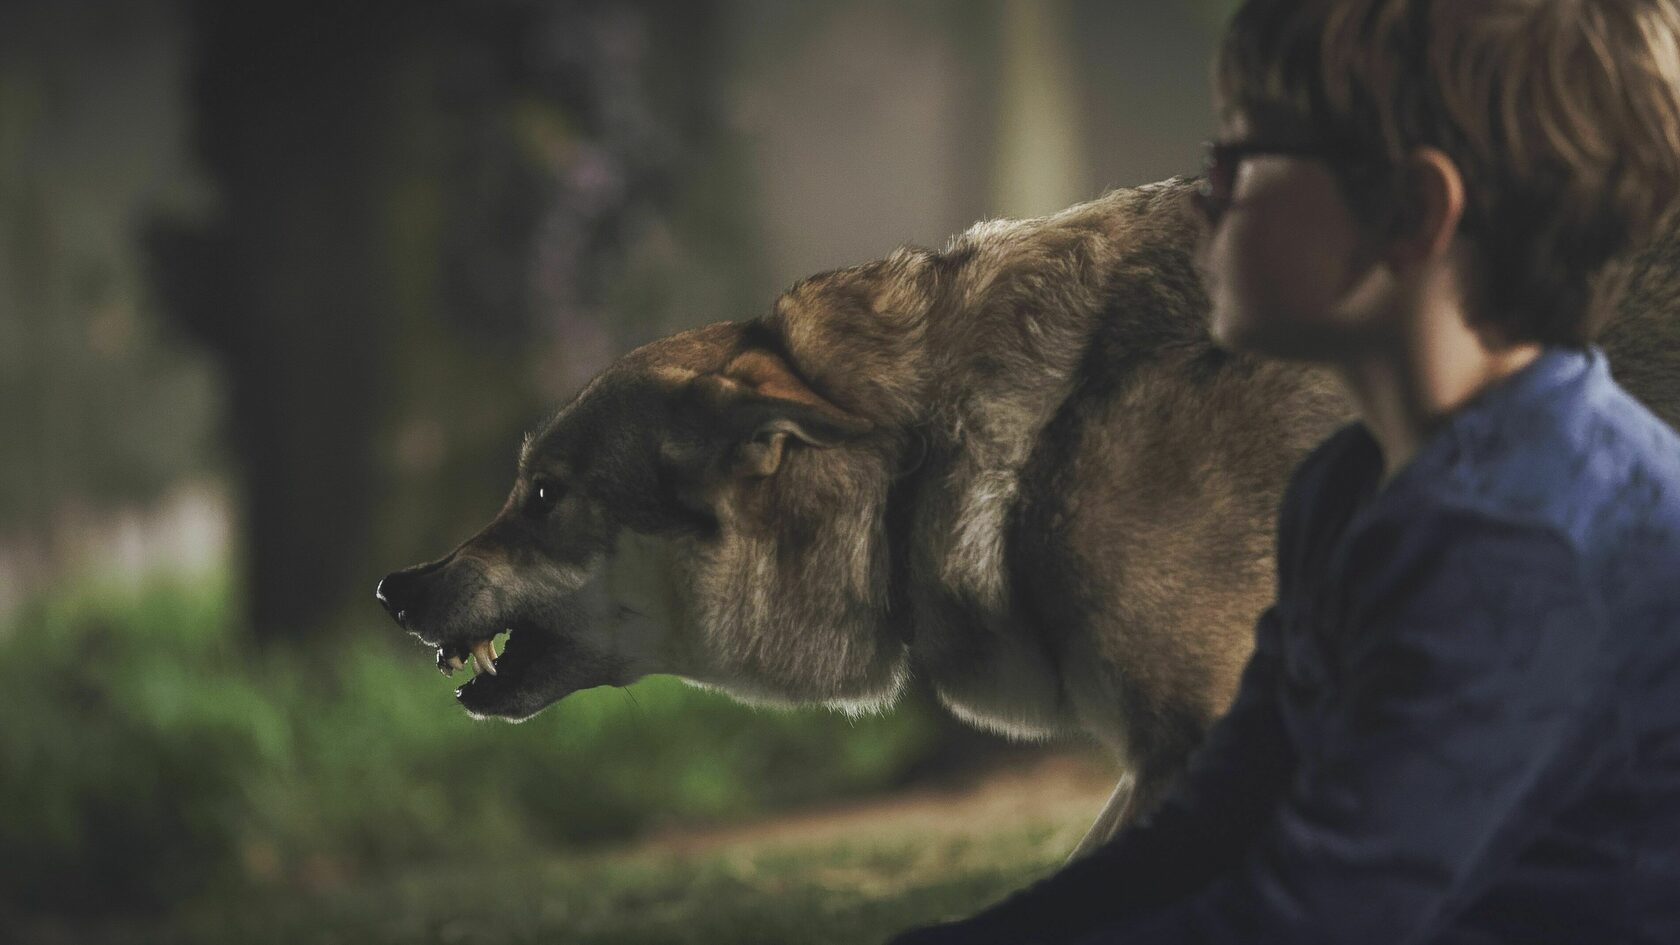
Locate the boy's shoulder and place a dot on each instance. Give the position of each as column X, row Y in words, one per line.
column 1567, row 449
column 1559, row 448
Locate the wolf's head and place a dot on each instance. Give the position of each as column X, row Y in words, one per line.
column 698, row 509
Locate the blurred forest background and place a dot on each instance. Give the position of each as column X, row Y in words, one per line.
column 283, row 282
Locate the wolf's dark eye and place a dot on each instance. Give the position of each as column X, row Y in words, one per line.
column 541, row 498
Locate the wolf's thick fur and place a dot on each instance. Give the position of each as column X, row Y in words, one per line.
column 1018, row 467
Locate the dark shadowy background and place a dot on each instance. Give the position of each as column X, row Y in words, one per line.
column 282, row 284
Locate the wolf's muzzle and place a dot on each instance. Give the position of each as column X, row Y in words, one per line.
column 404, row 592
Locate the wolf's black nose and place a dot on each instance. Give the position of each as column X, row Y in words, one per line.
column 379, row 593
column 397, row 592
column 404, row 593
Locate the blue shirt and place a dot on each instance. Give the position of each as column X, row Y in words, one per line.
column 1461, row 721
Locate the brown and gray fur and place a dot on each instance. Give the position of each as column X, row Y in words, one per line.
column 1017, row 467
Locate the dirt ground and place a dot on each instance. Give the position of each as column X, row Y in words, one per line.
column 1064, row 789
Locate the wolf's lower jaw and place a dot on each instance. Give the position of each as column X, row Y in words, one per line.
column 496, row 679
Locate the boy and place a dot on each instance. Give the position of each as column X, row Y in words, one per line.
column 1461, row 722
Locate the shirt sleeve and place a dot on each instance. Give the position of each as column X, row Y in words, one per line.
column 1202, row 827
column 1472, row 670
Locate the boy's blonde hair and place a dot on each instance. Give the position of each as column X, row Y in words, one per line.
column 1562, row 115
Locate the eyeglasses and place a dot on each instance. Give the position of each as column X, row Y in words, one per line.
column 1224, row 158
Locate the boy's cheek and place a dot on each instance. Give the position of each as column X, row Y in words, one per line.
column 1276, row 279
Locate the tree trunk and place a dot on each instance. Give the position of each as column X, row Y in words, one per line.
column 294, row 107
column 414, row 198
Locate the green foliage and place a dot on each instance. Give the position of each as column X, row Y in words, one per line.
column 150, row 758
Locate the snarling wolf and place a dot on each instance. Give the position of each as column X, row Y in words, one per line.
column 1018, row 467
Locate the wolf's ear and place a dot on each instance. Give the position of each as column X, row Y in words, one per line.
column 761, row 402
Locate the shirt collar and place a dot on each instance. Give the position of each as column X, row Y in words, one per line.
column 1522, row 391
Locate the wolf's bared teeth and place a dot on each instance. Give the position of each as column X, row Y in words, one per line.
column 448, row 663
column 484, row 657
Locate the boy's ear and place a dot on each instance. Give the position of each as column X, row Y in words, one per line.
column 1431, row 206
column 758, row 403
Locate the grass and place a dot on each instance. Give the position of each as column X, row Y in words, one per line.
column 858, row 875
column 159, row 781
column 152, row 756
